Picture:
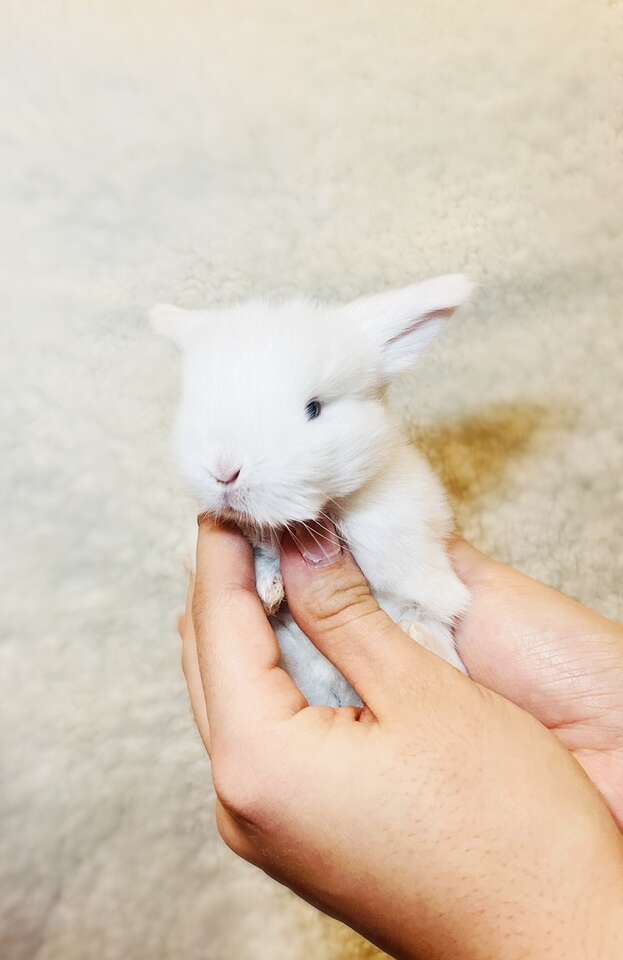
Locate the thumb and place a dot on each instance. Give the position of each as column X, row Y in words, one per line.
column 332, row 603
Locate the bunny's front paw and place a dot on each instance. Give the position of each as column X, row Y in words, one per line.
column 268, row 582
column 269, row 586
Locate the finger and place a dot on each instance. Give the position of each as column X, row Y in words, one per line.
column 331, row 601
column 190, row 668
column 238, row 655
column 537, row 647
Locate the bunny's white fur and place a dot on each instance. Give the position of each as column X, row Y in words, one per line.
column 249, row 373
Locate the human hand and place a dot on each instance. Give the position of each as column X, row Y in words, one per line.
column 560, row 661
column 439, row 821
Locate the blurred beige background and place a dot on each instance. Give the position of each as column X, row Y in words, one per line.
column 201, row 152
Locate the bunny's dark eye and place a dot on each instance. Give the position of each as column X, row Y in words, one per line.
column 312, row 410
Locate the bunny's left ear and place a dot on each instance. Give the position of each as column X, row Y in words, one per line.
column 403, row 322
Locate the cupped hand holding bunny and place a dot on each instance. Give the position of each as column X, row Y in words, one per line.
column 441, row 820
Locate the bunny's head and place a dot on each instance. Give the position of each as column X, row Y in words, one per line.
column 282, row 409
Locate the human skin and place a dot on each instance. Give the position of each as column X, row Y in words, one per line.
column 444, row 820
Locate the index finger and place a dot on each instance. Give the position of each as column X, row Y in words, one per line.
column 236, row 646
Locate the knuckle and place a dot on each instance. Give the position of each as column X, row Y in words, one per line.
column 230, row 832
column 242, row 788
column 340, row 601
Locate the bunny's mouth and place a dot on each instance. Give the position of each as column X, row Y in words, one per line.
column 249, row 524
column 265, row 512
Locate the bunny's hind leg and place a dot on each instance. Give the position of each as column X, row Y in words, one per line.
column 433, row 635
column 318, row 680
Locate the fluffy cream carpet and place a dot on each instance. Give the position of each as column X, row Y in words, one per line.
column 202, row 152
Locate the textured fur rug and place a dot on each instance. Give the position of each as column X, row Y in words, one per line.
column 201, row 153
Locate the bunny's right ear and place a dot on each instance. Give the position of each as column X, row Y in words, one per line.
column 403, row 322
column 175, row 323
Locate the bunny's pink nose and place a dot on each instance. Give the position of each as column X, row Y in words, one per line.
column 227, row 476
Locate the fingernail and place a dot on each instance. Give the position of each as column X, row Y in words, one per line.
column 317, row 542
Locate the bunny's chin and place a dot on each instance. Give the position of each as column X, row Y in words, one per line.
column 272, row 511
column 261, row 524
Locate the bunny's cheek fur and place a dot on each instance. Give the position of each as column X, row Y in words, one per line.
column 287, row 474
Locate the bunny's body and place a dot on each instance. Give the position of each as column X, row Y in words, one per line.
column 283, row 420
column 396, row 527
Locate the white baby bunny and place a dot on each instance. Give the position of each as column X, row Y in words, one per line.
column 282, row 420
